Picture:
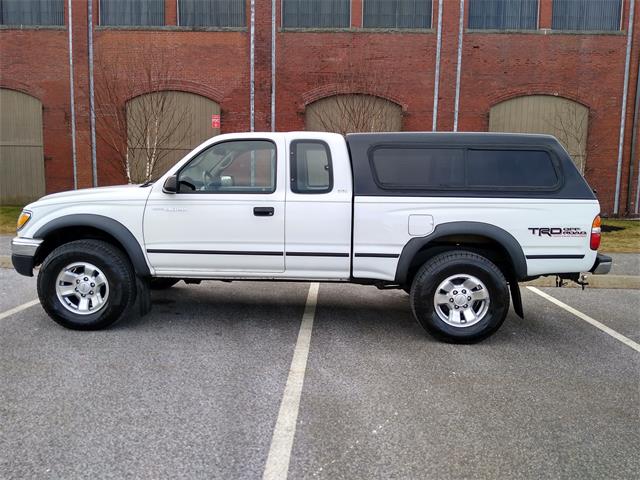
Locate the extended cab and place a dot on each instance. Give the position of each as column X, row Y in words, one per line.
column 454, row 219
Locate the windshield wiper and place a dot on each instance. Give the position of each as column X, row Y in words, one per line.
column 147, row 183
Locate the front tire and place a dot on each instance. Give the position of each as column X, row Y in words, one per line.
column 460, row 297
column 86, row 285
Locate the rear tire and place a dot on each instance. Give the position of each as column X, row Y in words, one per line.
column 459, row 297
column 86, row 285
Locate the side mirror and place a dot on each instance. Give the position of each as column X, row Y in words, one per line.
column 171, row 184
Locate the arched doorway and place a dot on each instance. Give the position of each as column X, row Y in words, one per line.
column 347, row 113
column 565, row 119
column 164, row 126
column 21, row 148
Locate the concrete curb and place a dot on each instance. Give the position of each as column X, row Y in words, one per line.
column 595, row 281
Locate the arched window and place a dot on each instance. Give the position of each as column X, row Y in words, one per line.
column 346, row 113
column 21, row 149
column 565, row 119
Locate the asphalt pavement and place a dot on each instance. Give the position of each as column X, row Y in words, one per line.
column 193, row 390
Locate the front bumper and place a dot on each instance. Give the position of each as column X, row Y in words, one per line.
column 23, row 254
column 602, row 265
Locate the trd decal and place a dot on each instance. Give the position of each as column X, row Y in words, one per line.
column 557, row 231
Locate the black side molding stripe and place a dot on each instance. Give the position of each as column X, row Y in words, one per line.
column 289, row 254
column 316, row 254
column 215, row 252
column 553, row 257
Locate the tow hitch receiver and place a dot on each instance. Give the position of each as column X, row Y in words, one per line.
column 579, row 278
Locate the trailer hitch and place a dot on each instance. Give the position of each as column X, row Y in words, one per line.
column 579, row 278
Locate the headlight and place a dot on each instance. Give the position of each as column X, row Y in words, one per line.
column 24, row 217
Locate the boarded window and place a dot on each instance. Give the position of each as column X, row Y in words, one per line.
column 510, row 169
column 399, row 167
column 316, row 13
column 586, row 14
column 31, row 12
column 311, row 167
column 397, row 13
column 132, row 12
column 21, row 148
column 503, row 14
column 162, row 127
column 212, row 13
column 565, row 119
column 350, row 113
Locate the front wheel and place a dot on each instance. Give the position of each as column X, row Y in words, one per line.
column 460, row 297
column 86, row 284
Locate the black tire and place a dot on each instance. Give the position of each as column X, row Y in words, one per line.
column 450, row 264
column 162, row 283
column 114, row 265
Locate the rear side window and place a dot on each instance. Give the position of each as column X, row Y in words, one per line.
column 311, row 170
column 510, row 169
column 400, row 167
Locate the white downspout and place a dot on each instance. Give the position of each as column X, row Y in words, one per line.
column 623, row 113
column 436, row 85
column 72, row 95
column 92, row 109
column 458, row 67
column 273, row 65
column 252, row 80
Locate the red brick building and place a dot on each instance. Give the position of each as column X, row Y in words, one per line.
column 506, row 64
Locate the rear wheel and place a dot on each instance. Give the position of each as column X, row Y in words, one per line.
column 460, row 297
column 86, row 285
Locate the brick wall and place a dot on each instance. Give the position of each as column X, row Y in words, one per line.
column 588, row 68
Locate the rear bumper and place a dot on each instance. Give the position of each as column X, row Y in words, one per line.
column 23, row 253
column 602, row 265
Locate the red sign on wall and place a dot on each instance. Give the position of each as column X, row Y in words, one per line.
column 215, row 121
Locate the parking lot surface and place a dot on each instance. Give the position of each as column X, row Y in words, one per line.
column 193, row 390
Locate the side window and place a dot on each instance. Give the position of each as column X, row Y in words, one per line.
column 311, row 170
column 238, row 166
column 510, row 169
column 419, row 167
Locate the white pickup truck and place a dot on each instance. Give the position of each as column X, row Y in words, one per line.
column 454, row 219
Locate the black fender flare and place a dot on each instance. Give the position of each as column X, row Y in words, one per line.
column 497, row 234
column 108, row 225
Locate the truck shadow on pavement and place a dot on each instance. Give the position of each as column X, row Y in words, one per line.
column 351, row 312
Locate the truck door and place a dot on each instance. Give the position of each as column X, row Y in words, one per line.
column 227, row 216
column 318, row 223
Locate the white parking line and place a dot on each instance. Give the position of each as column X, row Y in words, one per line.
column 19, row 308
column 277, row 465
column 588, row 319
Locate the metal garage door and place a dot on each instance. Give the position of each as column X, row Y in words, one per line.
column 21, row 151
column 353, row 113
column 567, row 120
column 167, row 124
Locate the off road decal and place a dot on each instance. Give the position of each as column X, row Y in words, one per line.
column 558, row 231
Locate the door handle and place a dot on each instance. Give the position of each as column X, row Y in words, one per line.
column 263, row 211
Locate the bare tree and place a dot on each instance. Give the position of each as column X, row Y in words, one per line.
column 358, row 104
column 137, row 115
column 569, row 123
